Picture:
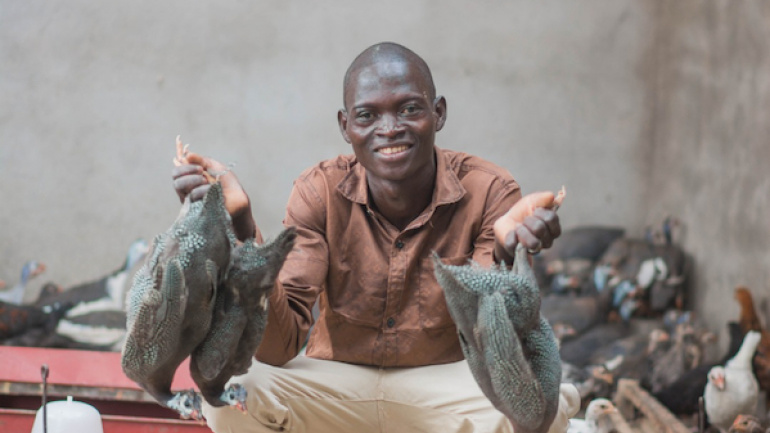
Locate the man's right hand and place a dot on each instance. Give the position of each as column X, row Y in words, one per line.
column 189, row 179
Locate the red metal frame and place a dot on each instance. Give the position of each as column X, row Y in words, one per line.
column 93, row 377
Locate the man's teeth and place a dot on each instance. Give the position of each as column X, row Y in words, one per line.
column 391, row 150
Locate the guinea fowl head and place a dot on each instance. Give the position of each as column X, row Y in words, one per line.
column 188, row 404
column 235, row 396
column 136, row 252
column 31, row 269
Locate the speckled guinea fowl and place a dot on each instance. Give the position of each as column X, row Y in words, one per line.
column 510, row 347
column 104, row 293
column 171, row 300
column 240, row 317
column 15, row 295
column 16, row 320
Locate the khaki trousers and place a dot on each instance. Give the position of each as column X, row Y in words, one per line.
column 316, row 396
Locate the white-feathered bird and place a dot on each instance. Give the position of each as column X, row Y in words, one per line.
column 597, row 418
column 733, row 389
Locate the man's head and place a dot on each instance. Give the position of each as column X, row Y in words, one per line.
column 387, row 52
column 391, row 112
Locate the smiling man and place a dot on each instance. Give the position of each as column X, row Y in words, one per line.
column 383, row 355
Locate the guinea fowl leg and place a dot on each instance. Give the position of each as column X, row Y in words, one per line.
column 181, row 158
column 521, row 264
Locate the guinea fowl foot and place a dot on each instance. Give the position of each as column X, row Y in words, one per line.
column 187, row 404
column 235, row 397
column 181, row 158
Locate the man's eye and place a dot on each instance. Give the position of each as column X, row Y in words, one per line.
column 364, row 115
column 409, row 109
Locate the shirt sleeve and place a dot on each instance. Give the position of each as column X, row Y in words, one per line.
column 502, row 195
column 300, row 280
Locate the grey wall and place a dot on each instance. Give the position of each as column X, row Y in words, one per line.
column 711, row 145
column 633, row 105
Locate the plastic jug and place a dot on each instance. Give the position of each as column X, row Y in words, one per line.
column 67, row 416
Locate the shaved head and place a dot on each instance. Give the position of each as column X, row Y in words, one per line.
column 387, row 52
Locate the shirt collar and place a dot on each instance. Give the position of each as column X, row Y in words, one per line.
column 448, row 188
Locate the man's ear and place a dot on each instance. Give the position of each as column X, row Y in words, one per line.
column 439, row 108
column 342, row 121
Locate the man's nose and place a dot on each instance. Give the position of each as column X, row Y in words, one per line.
column 389, row 126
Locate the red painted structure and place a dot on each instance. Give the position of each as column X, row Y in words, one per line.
column 92, row 377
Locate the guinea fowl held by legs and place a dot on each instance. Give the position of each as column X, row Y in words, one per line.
column 172, row 297
column 240, row 317
column 510, row 347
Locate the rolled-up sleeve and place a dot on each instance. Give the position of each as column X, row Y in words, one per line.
column 300, row 280
column 501, row 196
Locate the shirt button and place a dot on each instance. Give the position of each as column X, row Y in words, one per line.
column 391, row 322
column 399, row 244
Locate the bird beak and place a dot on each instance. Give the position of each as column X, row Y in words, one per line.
column 197, row 416
column 719, row 382
column 39, row 269
column 241, row 406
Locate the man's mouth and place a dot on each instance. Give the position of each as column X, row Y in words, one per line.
column 393, row 149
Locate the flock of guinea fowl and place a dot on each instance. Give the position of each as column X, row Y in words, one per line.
column 197, row 280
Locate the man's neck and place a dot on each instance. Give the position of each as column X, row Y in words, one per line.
column 401, row 202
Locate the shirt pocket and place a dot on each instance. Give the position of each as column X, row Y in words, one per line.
column 434, row 313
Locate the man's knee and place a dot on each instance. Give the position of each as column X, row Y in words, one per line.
column 569, row 405
column 264, row 412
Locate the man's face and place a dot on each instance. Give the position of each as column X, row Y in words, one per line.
column 391, row 119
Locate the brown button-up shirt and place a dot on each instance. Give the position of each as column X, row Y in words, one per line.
column 379, row 300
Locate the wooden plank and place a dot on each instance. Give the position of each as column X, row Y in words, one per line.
column 620, row 424
column 630, row 396
column 646, row 426
column 81, row 392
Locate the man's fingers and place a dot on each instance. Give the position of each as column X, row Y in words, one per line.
column 189, row 184
column 184, row 170
column 551, row 220
column 510, row 243
column 544, row 225
column 538, row 230
column 528, row 239
column 199, row 192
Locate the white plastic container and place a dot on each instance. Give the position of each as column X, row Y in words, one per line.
column 68, row 416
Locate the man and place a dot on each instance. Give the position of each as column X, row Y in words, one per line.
column 384, row 354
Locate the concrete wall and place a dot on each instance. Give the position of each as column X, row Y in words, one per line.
column 711, row 145
column 594, row 95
